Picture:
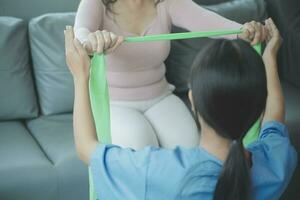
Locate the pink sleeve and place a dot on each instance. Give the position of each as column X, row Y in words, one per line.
column 189, row 15
column 88, row 18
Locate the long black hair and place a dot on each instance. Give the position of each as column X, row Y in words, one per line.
column 229, row 89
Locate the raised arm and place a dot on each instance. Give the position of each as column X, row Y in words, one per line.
column 88, row 19
column 78, row 62
column 83, row 121
column 275, row 109
column 191, row 16
column 88, row 28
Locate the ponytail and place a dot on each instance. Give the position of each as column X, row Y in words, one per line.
column 234, row 181
column 229, row 92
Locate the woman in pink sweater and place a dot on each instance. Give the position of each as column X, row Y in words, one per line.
column 143, row 109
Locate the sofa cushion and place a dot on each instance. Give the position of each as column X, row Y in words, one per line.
column 17, row 95
column 25, row 171
column 289, row 60
column 183, row 51
column 55, row 136
column 241, row 11
column 286, row 15
column 53, row 79
column 292, row 99
column 34, row 8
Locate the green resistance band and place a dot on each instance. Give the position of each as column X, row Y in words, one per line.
column 99, row 94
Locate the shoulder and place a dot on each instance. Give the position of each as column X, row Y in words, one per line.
column 187, row 164
column 170, row 4
column 273, row 135
column 93, row 3
column 183, row 172
column 274, row 160
column 273, row 145
column 167, row 4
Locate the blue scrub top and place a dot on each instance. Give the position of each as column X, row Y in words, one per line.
column 190, row 173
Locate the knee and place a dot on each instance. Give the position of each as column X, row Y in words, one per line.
column 131, row 129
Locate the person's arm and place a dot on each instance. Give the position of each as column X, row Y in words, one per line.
column 275, row 109
column 83, row 122
column 88, row 19
column 79, row 62
column 191, row 16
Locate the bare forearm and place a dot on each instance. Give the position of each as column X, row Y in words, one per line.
column 84, row 126
column 275, row 109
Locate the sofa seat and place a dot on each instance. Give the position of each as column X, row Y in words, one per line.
column 25, row 171
column 55, row 137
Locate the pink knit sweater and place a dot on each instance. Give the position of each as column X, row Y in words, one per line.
column 136, row 71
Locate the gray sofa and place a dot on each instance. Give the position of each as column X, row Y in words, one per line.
column 37, row 154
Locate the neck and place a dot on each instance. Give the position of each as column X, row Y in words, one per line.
column 213, row 143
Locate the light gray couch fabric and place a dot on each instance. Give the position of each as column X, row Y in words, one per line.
column 25, row 172
column 53, row 79
column 55, row 136
column 17, row 95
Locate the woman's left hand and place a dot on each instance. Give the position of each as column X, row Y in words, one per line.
column 253, row 32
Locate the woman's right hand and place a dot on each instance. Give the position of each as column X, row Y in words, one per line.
column 102, row 41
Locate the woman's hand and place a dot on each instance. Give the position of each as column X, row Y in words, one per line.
column 253, row 32
column 102, row 41
column 273, row 40
column 77, row 58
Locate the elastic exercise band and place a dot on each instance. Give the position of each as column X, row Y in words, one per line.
column 99, row 95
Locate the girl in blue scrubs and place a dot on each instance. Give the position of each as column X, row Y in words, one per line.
column 231, row 87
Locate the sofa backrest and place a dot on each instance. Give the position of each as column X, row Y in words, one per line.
column 32, row 8
column 52, row 77
column 17, row 94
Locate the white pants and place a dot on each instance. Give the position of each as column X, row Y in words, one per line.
column 164, row 121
